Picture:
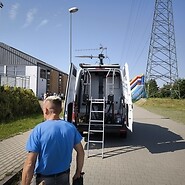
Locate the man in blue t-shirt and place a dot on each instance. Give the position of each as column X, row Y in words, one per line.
column 50, row 148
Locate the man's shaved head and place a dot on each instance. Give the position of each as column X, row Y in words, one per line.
column 53, row 104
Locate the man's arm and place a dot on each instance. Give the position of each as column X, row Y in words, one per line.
column 28, row 168
column 79, row 160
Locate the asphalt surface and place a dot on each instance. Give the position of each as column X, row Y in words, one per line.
column 154, row 154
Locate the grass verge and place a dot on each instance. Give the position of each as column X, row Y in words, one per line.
column 16, row 127
column 170, row 108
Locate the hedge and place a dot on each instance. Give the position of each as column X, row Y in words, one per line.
column 16, row 102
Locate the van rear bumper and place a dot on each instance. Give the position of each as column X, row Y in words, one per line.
column 108, row 128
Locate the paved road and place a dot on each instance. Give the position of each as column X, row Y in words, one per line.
column 153, row 154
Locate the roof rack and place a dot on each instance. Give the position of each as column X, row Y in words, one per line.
column 82, row 65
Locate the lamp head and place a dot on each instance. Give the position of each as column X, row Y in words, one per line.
column 73, row 9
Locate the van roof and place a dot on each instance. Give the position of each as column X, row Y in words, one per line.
column 82, row 65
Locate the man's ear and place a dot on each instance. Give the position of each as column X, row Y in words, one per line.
column 45, row 111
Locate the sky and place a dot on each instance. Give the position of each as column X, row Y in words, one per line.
column 42, row 30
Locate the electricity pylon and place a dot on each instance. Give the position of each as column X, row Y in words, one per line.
column 162, row 58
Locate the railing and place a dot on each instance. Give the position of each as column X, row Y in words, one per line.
column 15, row 81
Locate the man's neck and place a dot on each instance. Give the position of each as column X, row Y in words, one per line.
column 53, row 117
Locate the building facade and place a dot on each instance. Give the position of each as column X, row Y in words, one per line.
column 22, row 70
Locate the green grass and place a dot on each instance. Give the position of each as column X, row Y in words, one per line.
column 170, row 108
column 19, row 126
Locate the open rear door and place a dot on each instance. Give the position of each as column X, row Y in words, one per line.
column 128, row 97
column 70, row 91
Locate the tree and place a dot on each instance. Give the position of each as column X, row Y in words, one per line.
column 165, row 91
column 152, row 88
column 180, row 85
column 176, row 90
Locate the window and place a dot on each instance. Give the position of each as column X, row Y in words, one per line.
column 43, row 73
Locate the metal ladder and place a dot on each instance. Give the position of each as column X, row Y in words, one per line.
column 110, row 82
column 100, row 105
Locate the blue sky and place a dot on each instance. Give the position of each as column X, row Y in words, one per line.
column 41, row 29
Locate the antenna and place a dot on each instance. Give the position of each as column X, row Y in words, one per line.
column 100, row 48
column 100, row 56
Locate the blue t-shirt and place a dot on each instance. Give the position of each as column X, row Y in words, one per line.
column 54, row 141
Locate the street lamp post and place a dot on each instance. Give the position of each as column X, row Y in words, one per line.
column 71, row 11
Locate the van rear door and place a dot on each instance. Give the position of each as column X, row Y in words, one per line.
column 70, row 91
column 128, row 97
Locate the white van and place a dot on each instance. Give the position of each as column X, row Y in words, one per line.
column 105, row 82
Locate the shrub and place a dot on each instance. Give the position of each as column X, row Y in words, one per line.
column 16, row 102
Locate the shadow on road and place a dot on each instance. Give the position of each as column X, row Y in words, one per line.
column 155, row 138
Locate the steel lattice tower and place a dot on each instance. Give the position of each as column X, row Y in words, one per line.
column 162, row 59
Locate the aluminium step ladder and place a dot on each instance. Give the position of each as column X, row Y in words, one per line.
column 110, row 82
column 96, row 122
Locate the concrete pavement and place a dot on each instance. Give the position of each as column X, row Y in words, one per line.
column 154, row 154
column 12, row 155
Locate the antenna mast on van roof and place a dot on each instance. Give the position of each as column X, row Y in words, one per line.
column 100, row 56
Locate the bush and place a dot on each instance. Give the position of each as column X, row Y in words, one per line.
column 16, row 102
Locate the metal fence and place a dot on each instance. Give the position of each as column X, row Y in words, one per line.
column 15, row 81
